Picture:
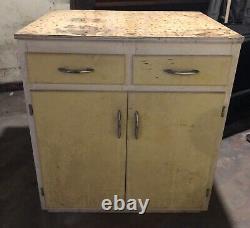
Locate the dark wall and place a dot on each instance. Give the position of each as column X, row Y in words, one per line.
column 183, row 5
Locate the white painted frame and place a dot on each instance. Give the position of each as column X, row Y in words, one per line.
column 129, row 48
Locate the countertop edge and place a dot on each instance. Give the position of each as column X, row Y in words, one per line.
column 235, row 39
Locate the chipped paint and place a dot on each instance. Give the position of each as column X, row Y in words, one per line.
column 126, row 24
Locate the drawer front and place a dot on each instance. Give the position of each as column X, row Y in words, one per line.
column 75, row 68
column 181, row 70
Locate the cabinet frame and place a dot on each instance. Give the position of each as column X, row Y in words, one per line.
column 182, row 46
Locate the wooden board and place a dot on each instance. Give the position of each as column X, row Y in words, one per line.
column 43, row 68
column 172, row 160
column 125, row 24
column 82, row 160
column 150, row 70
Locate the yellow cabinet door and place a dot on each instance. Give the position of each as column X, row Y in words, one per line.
column 82, row 156
column 170, row 161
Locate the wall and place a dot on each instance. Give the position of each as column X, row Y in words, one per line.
column 14, row 15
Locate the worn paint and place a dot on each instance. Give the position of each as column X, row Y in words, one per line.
column 151, row 70
column 126, row 24
column 96, row 162
column 43, row 68
column 172, row 151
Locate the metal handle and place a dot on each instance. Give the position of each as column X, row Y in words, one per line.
column 136, row 124
column 76, row 71
column 181, row 72
column 119, row 124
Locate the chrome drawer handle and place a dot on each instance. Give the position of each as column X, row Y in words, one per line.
column 136, row 124
column 76, row 71
column 119, row 124
column 181, row 72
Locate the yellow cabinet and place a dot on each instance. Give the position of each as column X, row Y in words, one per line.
column 82, row 156
column 171, row 159
column 126, row 103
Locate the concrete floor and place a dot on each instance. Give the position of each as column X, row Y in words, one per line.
column 19, row 202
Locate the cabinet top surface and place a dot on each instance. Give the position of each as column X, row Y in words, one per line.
column 101, row 24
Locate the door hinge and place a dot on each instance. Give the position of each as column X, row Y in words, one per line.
column 31, row 109
column 223, row 110
column 42, row 191
column 207, row 192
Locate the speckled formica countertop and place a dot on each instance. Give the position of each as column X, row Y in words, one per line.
column 87, row 24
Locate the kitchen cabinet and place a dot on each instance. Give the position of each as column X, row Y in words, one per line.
column 120, row 106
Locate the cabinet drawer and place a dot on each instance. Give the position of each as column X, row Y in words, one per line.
column 75, row 68
column 181, row 70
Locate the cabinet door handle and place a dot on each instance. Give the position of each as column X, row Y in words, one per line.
column 119, row 124
column 136, row 124
column 76, row 71
column 181, row 72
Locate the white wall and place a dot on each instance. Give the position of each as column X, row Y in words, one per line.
column 15, row 14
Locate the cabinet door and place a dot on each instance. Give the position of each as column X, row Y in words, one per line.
column 178, row 136
column 82, row 157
